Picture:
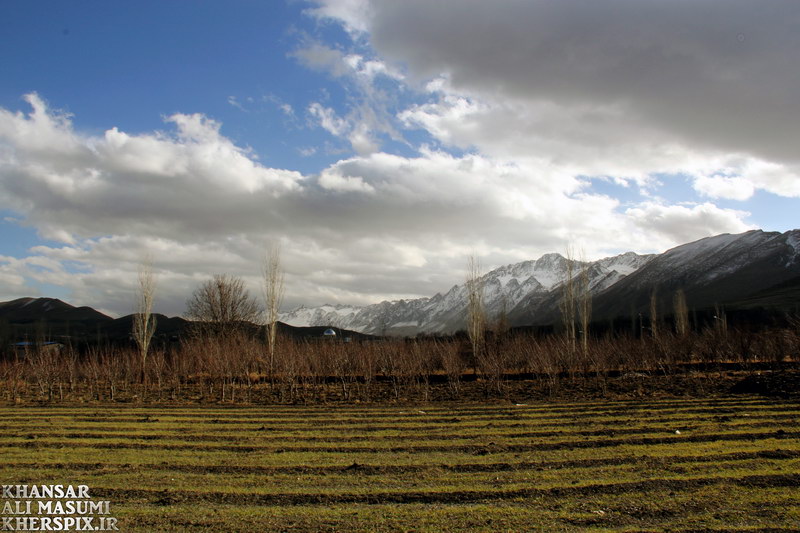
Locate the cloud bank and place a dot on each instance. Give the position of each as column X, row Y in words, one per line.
column 365, row 228
column 524, row 126
column 623, row 88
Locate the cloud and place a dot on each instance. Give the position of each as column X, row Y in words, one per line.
column 681, row 224
column 356, row 131
column 368, row 104
column 307, row 151
column 354, row 13
column 621, row 88
column 69, row 185
column 366, row 228
column 734, row 188
column 502, row 118
column 737, row 177
column 233, row 101
column 317, row 56
column 339, row 64
column 334, row 181
column 12, row 279
column 328, row 119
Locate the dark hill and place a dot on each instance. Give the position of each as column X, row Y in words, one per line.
column 754, row 269
column 166, row 327
column 54, row 320
column 25, row 310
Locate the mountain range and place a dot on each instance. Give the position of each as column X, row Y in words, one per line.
column 751, row 270
column 53, row 319
column 50, row 319
column 747, row 270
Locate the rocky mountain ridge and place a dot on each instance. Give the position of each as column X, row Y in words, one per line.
column 714, row 270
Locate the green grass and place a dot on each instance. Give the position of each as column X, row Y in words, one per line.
column 729, row 463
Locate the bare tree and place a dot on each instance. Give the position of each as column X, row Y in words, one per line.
column 585, row 304
column 273, row 298
column 567, row 304
column 452, row 363
column 720, row 320
column 476, row 314
column 654, row 313
column 144, row 323
column 221, row 305
column 501, row 325
column 681, row 313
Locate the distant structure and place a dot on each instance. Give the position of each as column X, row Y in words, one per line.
column 329, row 333
column 23, row 348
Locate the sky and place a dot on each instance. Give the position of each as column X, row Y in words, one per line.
column 379, row 143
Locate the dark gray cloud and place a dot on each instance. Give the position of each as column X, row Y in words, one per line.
column 721, row 75
column 541, row 93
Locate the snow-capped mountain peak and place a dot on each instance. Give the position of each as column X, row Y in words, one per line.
column 504, row 289
column 710, row 271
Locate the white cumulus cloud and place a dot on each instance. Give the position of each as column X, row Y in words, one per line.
column 366, row 228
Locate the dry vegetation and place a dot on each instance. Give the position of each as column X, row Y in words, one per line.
column 416, row 434
column 223, row 358
column 240, row 367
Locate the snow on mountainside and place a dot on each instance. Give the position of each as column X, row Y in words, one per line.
column 705, row 260
column 715, row 270
column 793, row 241
column 719, row 269
column 325, row 315
column 505, row 288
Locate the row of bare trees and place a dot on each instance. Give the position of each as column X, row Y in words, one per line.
column 219, row 309
column 225, row 360
column 237, row 368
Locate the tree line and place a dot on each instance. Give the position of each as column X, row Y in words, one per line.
column 222, row 360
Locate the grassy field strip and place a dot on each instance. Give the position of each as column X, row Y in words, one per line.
column 266, row 434
column 377, row 411
column 456, row 422
column 363, row 469
column 433, row 479
column 392, row 446
column 391, row 418
column 475, row 485
column 476, row 447
column 366, row 409
column 460, row 431
column 409, row 423
column 618, row 515
column 343, row 417
column 339, row 414
column 382, row 410
column 443, row 494
column 733, row 465
column 266, row 439
column 223, row 459
column 267, row 423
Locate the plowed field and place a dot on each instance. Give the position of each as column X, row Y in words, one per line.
column 725, row 464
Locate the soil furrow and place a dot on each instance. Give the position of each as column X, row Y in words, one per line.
column 432, row 417
column 365, row 469
column 469, row 448
column 266, row 437
column 171, row 497
column 365, row 426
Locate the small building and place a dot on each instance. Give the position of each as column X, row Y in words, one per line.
column 330, row 333
column 25, row 347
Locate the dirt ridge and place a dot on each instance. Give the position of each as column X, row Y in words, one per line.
column 366, row 469
column 477, row 449
column 169, row 497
